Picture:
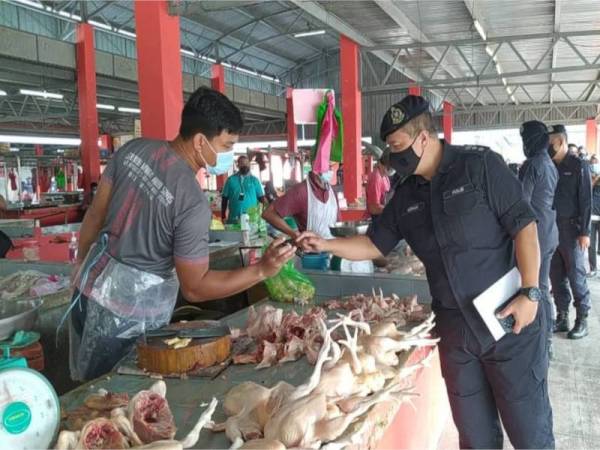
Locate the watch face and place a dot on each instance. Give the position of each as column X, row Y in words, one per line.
column 534, row 294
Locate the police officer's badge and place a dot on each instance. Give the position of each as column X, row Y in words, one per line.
column 397, row 115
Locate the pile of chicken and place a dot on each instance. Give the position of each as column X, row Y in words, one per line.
column 351, row 375
column 377, row 308
column 403, row 262
column 144, row 422
column 280, row 337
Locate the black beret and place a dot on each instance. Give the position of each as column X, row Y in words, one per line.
column 399, row 114
column 555, row 129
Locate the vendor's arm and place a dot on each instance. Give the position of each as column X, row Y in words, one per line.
column 199, row 284
column 507, row 200
column 94, row 218
column 290, row 204
column 374, row 193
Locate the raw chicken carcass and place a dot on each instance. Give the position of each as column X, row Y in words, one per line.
column 101, row 433
column 263, row 444
column 150, row 414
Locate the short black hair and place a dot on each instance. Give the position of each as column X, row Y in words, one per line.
column 209, row 112
column 242, row 157
column 572, row 145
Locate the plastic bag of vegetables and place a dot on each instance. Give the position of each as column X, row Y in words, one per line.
column 289, row 285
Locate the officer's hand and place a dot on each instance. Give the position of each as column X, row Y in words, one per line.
column 275, row 257
column 523, row 310
column 584, row 242
column 311, row 242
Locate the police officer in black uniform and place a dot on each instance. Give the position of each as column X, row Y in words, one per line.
column 539, row 177
column 463, row 213
column 573, row 203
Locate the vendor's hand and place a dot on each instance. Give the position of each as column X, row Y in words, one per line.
column 523, row 310
column 311, row 242
column 275, row 257
column 584, row 242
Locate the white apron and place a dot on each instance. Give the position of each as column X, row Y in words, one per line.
column 321, row 215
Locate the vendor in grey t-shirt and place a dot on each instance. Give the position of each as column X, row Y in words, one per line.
column 148, row 220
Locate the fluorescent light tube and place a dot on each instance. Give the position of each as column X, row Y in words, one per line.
column 30, row 3
column 489, row 50
column 126, row 33
column 498, row 69
column 60, row 150
column 100, row 25
column 107, row 107
column 186, row 52
column 129, row 110
column 480, row 29
column 41, row 94
column 309, row 33
column 241, row 69
column 3, row 93
column 504, row 82
column 14, row 149
column 16, row 139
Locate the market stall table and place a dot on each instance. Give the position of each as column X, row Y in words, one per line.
column 410, row 428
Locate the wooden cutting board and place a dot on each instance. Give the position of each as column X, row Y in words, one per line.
column 155, row 355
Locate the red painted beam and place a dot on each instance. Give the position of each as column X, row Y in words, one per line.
column 159, row 69
column 591, row 136
column 217, row 82
column 414, row 89
column 352, row 113
column 447, row 121
column 292, row 130
column 88, row 114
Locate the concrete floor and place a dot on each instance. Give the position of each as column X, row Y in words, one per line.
column 574, row 386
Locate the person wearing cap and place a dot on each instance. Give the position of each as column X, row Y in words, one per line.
column 463, row 213
column 378, row 185
column 539, row 177
column 573, row 203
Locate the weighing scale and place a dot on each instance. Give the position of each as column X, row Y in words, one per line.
column 29, row 406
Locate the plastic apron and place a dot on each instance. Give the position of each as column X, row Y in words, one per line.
column 321, row 216
column 123, row 302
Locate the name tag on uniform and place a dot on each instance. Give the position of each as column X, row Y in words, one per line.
column 458, row 190
column 567, row 174
column 414, row 208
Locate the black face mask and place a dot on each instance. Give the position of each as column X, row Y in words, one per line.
column 406, row 161
column 244, row 170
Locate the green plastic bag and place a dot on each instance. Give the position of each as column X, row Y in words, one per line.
column 289, row 285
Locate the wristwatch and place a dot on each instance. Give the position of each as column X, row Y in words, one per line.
column 532, row 293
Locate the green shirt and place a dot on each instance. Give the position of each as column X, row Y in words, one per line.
column 234, row 186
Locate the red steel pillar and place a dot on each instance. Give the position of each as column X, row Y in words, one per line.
column 292, row 130
column 414, row 89
column 88, row 114
column 591, row 136
column 352, row 113
column 217, row 81
column 447, row 121
column 159, row 69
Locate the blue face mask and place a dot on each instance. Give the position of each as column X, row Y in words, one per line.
column 223, row 164
column 327, row 176
column 596, row 168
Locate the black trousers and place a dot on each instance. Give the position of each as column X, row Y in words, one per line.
column 508, row 380
column 594, row 243
column 545, row 263
column 568, row 268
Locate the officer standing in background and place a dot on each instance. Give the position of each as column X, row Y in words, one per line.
column 539, row 177
column 594, row 237
column 573, row 203
column 464, row 215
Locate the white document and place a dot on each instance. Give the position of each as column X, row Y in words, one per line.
column 497, row 294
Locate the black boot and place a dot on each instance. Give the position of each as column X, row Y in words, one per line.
column 561, row 324
column 580, row 329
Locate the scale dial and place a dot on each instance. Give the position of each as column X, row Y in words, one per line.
column 29, row 410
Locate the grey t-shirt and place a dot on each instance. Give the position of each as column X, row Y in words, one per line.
column 157, row 210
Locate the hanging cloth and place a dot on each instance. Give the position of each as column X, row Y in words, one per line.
column 330, row 131
column 321, row 216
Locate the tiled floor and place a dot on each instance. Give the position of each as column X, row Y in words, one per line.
column 574, row 385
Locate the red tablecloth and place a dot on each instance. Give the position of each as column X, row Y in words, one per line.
column 49, row 251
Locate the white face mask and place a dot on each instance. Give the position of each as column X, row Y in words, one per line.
column 327, row 176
